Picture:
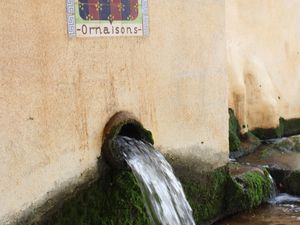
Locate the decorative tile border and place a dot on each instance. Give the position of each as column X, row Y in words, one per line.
column 71, row 18
column 145, row 12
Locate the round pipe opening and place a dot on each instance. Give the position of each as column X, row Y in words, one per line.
column 130, row 130
column 122, row 124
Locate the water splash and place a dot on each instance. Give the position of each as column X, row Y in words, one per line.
column 281, row 198
column 284, row 198
column 165, row 200
column 274, row 191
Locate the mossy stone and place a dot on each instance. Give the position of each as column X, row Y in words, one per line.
column 247, row 191
column 285, row 144
column 291, row 126
column 113, row 199
column 217, row 194
column 206, row 195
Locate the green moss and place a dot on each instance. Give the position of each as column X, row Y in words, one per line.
column 216, row 194
column 247, row 191
column 206, row 194
column 113, row 199
column 238, row 142
column 234, row 140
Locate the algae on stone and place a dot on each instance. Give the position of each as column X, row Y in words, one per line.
column 113, row 199
column 206, row 194
column 248, row 191
column 217, row 194
column 116, row 198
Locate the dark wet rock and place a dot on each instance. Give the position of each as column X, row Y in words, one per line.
column 240, row 144
column 296, row 140
column 286, row 128
column 291, row 183
column 279, row 214
column 249, row 143
column 282, row 159
column 286, row 144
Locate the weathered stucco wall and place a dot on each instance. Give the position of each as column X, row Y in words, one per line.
column 263, row 45
column 58, row 93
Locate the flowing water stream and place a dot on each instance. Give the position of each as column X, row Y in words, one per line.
column 163, row 193
column 166, row 202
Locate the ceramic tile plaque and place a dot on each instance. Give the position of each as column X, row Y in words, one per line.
column 105, row 18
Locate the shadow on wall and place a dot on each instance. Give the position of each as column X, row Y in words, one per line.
column 253, row 95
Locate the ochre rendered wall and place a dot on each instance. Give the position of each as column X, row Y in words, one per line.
column 58, row 93
column 263, row 45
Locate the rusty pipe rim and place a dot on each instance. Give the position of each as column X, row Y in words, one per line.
column 123, row 124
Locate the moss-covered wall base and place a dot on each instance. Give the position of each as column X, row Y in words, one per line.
column 214, row 195
column 286, row 128
column 115, row 199
column 240, row 144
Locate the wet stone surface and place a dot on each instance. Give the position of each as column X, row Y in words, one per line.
column 281, row 153
column 281, row 214
column 282, row 159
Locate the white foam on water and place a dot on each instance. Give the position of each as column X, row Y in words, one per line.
column 284, row 198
